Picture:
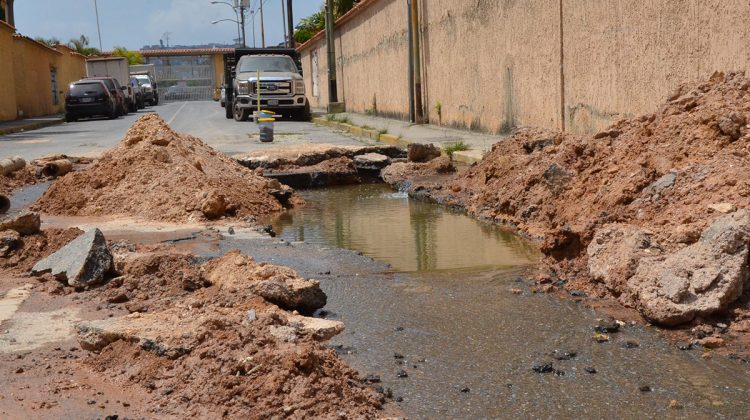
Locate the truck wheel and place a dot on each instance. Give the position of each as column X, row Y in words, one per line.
column 70, row 118
column 240, row 114
column 155, row 101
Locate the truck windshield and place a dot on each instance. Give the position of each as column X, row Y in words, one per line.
column 271, row 64
column 144, row 80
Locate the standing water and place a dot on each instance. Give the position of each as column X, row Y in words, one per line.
column 455, row 332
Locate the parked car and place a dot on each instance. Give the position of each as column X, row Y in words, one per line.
column 140, row 103
column 149, row 88
column 88, row 98
column 117, row 91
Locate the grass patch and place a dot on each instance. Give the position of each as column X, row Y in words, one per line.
column 367, row 127
column 459, row 146
column 382, row 131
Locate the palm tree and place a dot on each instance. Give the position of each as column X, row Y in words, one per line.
column 81, row 45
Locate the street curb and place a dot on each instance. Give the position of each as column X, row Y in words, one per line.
column 29, row 127
column 463, row 157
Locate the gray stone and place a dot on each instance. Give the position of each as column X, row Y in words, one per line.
column 700, row 279
column 292, row 294
column 84, row 261
column 25, row 223
column 418, row 152
column 666, row 181
column 614, row 252
column 371, row 161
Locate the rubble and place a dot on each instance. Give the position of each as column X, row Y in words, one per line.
column 84, row 261
column 25, row 223
column 625, row 208
column 418, row 152
column 157, row 174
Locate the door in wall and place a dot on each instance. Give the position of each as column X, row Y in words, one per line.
column 53, row 78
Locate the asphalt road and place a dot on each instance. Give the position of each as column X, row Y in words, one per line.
column 203, row 119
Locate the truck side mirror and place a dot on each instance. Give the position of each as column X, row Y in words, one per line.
column 123, row 88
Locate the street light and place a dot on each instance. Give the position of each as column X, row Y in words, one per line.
column 240, row 38
column 214, row 22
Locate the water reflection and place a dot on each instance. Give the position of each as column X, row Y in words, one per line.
column 410, row 235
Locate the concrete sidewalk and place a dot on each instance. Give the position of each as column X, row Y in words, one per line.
column 26, row 124
column 402, row 133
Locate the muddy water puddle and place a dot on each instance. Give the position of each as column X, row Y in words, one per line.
column 410, row 235
column 448, row 332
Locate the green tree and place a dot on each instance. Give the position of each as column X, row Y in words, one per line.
column 81, row 46
column 134, row 57
column 315, row 23
column 50, row 42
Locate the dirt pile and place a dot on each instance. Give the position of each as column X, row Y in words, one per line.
column 19, row 253
column 653, row 186
column 400, row 175
column 157, row 174
column 202, row 339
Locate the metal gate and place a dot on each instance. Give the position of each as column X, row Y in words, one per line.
column 184, row 78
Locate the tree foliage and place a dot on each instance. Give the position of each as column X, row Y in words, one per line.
column 315, row 23
column 81, row 46
column 50, row 42
column 134, row 57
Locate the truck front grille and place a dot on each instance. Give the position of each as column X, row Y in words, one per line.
column 272, row 88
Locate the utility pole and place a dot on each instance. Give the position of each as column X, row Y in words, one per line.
column 290, row 23
column 283, row 23
column 262, row 27
column 410, row 42
column 252, row 14
column 96, row 10
column 242, row 23
column 333, row 95
column 418, row 111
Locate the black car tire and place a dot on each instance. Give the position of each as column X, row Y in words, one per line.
column 113, row 113
column 240, row 114
column 155, row 101
column 70, row 118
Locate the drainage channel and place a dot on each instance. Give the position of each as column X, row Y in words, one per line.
column 437, row 310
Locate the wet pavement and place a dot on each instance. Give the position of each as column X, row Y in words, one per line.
column 457, row 334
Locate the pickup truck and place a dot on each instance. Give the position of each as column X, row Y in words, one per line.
column 146, row 75
column 280, row 85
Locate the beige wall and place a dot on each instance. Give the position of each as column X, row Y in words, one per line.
column 7, row 80
column 497, row 63
column 25, row 74
column 623, row 57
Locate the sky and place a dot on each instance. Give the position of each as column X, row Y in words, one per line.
column 135, row 23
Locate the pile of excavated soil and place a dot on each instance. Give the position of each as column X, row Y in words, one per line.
column 651, row 209
column 203, row 342
column 19, row 253
column 17, row 179
column 157, row 174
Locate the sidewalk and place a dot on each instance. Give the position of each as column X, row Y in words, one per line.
column 26, row 124
column 402, row 133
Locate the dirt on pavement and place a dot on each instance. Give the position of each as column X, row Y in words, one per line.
column 157, row 174
column 637, row 212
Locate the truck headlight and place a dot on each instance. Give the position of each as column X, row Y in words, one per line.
column 299, row 86
column 243, row 88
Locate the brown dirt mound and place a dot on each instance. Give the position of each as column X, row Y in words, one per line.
column 193, row 346
column 668, row 175
column 158, row 174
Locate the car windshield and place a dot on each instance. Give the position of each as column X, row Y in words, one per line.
column 82, row 89
column 270, row 64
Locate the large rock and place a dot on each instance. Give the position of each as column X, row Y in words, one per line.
column 700, row 279
column 84, row 261
column 25, row 223
column 10, row 240
column 614, row 253
column 292, row 293
column 371, row 161
column 418, row 152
